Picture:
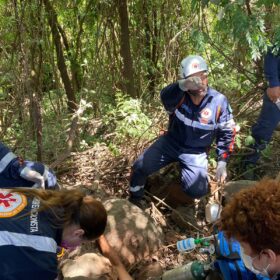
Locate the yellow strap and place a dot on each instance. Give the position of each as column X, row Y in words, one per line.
column 61, row 253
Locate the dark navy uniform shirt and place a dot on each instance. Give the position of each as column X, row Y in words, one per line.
column 194, row 127
column 272, row 69
column 28, row 243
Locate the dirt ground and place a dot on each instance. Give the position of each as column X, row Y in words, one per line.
column 100, row 173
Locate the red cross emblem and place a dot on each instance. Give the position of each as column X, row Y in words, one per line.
column 195, row 65
column 7, row 200
column 11, row 203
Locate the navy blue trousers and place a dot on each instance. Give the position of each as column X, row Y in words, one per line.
column 263, row 129
column 163, row 152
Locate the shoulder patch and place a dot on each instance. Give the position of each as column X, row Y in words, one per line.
column 11, row 203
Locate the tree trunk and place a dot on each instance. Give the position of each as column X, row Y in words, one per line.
column 37, row 63
column 150, row 44
column 30, row 77
column 52, row 18
column 127, row 63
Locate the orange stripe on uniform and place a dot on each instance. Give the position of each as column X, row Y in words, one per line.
column 218, row 113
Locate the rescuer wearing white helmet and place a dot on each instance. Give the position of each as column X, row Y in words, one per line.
column 191, row 65
column 193, row 75
column 198, row 114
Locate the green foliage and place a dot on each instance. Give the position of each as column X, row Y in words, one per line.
column 114, row 149
column 249, row 141
column 238, row 141
column 243, row 25
column 127, row 118
column 198, row 40
column 212, row 162
column 212, row 158
column 231, row 35
column 267, row 152
column 243, row 137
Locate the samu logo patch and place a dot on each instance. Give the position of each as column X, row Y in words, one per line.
column 11, row 203
column 205, row 114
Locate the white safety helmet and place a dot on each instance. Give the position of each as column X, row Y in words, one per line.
column 192, row 64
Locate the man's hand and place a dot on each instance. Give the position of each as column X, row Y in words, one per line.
column 221, row 172
column 191, row 83
column 273, row 93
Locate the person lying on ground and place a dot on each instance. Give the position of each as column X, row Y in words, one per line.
column 16, row 172
column 34, row 222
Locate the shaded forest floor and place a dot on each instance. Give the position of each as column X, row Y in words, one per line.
column 106, row 176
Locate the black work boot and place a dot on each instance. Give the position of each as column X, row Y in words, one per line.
column 139, row 202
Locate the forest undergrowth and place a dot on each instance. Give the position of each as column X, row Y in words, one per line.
column 98, row 171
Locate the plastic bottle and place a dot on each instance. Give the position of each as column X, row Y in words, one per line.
column 187, row 244
column 191, row 271
column 212, row 212
column 208, row 250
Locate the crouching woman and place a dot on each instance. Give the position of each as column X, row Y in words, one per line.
column 33, row 223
